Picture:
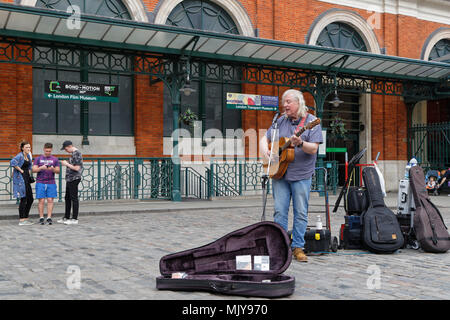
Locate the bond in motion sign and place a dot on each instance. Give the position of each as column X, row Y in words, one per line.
column 81, row 91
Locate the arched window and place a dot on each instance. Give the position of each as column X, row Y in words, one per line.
column 341, row 35
column 439, row 50
column 65, row 116
column 107, row 8
column 202, row 15
column 209, row 99
column 344, row 36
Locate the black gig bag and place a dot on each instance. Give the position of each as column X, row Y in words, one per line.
column 381, row 231
column 212, row 267
column 429, row 226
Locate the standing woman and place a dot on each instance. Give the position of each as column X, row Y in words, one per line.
column 22, row 164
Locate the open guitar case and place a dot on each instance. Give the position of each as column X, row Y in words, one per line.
column 213, row 267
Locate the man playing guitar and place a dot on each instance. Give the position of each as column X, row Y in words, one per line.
column 295, row 184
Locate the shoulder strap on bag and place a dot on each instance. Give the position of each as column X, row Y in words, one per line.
column 348, row 188
column 372, row 183
column 438, row 212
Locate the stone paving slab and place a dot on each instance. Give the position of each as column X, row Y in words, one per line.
column 105, row 207
column 116, row 256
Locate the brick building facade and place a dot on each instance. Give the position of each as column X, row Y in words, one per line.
column 404, row 28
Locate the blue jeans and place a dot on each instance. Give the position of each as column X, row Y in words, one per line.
column 298, row 191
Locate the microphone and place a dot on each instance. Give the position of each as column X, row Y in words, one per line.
column 275, row 117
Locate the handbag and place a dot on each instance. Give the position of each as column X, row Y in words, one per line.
column 32, row 179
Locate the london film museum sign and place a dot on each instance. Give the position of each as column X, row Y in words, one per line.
column 81, row 91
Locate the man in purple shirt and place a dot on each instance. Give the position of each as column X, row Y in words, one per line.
column 295, row 185
column 46, row 166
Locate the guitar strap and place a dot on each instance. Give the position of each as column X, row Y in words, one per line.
column 300, row 125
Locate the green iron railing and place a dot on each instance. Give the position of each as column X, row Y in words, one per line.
column 193, row 184
column 244, row 175
column 430, row 144
column 109, row 178
column 151, row 178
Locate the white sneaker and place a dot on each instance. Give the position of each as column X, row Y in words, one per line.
column 71, row 221
column 63, row 220
column 25, row 223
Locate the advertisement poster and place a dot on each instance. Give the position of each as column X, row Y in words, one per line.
column 251, row 102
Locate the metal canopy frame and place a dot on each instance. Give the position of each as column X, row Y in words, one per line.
column 44, row 24
column 41, row 37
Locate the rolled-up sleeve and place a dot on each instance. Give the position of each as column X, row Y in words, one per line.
column 14, row 161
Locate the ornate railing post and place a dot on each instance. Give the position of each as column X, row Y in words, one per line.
column 320, row 92
column 174, row 87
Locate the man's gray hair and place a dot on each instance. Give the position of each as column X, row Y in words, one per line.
column 298, row 96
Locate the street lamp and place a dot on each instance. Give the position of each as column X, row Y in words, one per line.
column 336, row 101
column 186, row 88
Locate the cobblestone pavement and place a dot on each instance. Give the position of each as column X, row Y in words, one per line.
column 117, row 257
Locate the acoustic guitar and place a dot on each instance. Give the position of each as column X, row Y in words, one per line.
column 282, row 152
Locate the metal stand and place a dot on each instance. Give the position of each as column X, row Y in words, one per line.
column 265, row 176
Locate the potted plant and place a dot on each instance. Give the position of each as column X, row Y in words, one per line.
column 188, row 117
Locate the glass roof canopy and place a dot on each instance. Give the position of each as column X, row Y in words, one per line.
column 51, row 25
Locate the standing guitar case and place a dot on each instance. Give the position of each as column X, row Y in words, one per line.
column 212, row 267
column 429, row 225
column 381, row 231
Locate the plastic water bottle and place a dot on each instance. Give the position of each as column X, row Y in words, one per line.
column 411, row 163
column 319, row 225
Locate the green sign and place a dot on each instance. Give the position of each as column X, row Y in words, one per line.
column 251, row 102
column 81, row 91
column 336, row 149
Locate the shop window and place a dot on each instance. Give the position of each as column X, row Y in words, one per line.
column 341, row 35
column 64, row 116
column 208, row 102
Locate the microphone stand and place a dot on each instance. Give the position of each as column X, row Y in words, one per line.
column 265, row 176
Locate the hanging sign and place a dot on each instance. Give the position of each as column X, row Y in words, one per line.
column 251, row 102
column 81, row 91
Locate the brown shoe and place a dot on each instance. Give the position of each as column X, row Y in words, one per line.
column 299, row 255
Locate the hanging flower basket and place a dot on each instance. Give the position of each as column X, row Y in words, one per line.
column 188, row 117
column 337, row 127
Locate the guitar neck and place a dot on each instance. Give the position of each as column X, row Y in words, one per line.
column 288, row 143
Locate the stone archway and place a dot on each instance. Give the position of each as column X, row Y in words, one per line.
column 348, row 17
